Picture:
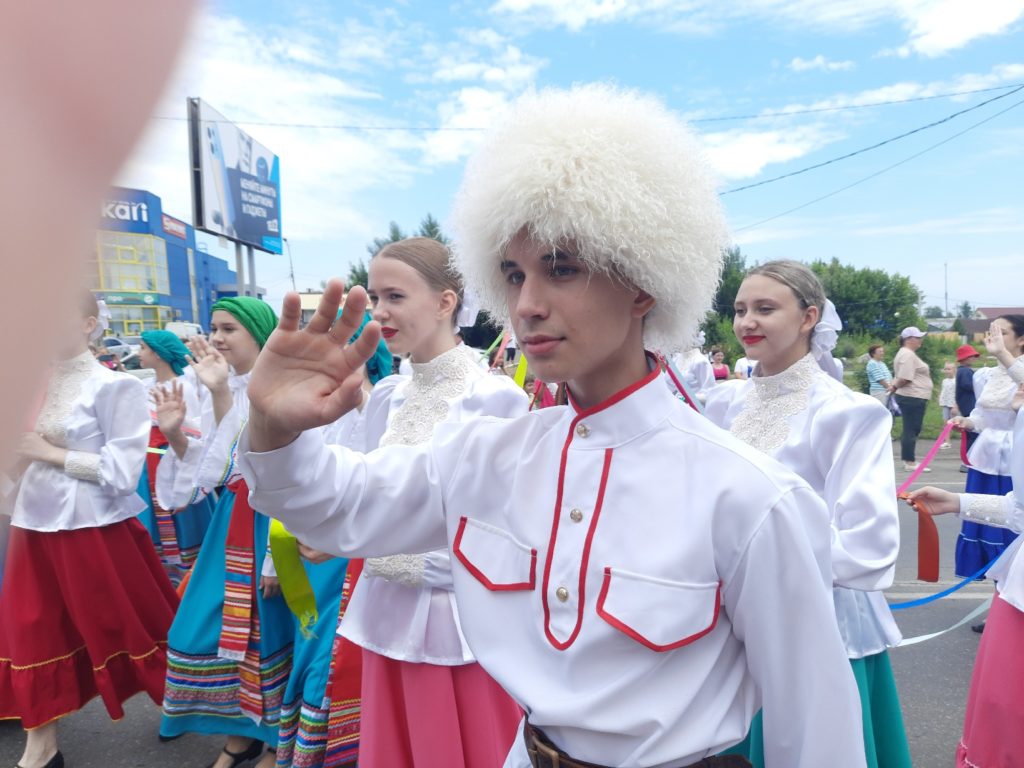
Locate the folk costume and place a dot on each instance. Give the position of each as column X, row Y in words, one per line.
column 85, row 605
column 992, row 735
column 230, row 649
column 425, row 701
column 838, row 441
column 989, row 459
column 176, row 534
column 610, row 573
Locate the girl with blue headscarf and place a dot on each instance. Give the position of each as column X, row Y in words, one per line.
column 176, row 534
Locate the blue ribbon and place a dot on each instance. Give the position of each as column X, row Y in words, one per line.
column 950, row 590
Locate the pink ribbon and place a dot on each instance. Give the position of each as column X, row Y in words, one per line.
column 927, row 459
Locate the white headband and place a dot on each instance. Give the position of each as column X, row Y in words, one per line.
column 469, row 312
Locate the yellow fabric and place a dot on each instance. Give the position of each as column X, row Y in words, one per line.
column 295, row 586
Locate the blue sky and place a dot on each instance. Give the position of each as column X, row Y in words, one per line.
column 373, row 108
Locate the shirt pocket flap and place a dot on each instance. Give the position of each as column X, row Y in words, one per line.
column 658, row 613
column 495, row 557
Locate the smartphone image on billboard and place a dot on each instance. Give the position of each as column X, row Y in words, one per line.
column 225, row 206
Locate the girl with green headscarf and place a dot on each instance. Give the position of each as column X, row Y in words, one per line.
column 229, row 649
column 177, row 535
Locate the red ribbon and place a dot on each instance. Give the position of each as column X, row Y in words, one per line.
column 927, row 541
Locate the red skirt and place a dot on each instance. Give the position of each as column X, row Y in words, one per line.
column 83, row 613
column 427, row 716
column 993, row 733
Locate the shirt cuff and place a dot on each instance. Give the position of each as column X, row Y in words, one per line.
column 83, row 466
column 291, row 466
column 985, row 509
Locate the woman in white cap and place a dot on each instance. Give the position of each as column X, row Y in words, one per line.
column 912, row 385
column 611, row 573
column 795, row 409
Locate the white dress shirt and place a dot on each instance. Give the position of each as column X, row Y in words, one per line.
column 403, row 606
column 100, row 416
column 993, row 418
column 840, row 442
column 612, row 574
column 697, row 374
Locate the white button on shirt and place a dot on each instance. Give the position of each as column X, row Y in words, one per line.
column 680, row 621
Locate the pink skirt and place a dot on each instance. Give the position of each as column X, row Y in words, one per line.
column 993, row 733
column 428, row 716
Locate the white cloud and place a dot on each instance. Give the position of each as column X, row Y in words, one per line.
column 462, row 117
column 934, row 27
column 987, row 221
column 819, row 62
column 742, row 154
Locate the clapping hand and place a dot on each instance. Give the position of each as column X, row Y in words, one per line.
column 170, row 407
column 308, row 378
column 209, row 364
column 994, row 341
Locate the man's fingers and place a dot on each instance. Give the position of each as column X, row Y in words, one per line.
column 365, row 346
column 327, row 309
column 291, row 312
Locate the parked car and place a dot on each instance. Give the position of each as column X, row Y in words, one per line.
column 116, row 346
column 184, row 331
column 134, row 342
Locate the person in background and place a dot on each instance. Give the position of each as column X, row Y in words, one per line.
column 85, row 606
column 744, row 368
column 965, row 397
column 912, row 386
column 718, row 365
column 879, row 376
column 947, row 394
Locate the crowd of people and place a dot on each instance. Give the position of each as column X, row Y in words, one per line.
column 671, row 563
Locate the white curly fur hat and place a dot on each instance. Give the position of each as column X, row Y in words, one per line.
column 612, row 171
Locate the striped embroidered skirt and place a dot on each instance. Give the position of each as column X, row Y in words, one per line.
column 83, row 613
column 203, row 693
column 302, row 741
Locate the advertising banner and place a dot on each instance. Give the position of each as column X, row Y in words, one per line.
column 236, row 185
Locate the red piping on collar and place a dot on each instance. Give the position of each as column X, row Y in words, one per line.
column 622, row 394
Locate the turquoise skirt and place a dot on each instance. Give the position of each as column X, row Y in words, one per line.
column 885, row 741
column 203, row 692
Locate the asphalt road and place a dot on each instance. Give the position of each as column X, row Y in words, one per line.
column 932, row 677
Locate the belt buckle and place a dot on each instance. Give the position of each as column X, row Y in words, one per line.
column 548, row 752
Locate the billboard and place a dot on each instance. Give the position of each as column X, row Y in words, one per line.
column 236, row 184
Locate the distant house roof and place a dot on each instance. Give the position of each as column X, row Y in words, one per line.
column 991, row 313
column 975, row 325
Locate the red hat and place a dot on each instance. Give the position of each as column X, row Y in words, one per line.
column 966, row 352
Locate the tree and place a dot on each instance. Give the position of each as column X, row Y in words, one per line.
column 933, row 312
column 429, row 227
column 395, row 234
column 870, row 301
column 965, row 310
column 357, row 275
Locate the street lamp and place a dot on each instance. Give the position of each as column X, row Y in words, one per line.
column 291, row 266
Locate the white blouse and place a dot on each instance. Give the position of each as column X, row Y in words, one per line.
column 1005, row 512
column 697, row 374
column 100, row 416
column 993, row 420
column 403, row 606
column 839, row 442
column 611, row 574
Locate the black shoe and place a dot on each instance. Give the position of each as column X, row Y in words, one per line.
column 963, row 469
column 253, row 751
column 57, row 761
column 979, row 628
column 165, row 739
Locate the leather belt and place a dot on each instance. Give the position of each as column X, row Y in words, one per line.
column 544, row 754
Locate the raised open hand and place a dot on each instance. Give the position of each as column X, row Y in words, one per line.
column 170, row 407
column 994, row 341
column 210, row 366
column 308, row 378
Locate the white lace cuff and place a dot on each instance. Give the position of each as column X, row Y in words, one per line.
column 83, row 466
column 404, row 569
column 1016, row 370
column 985, row 508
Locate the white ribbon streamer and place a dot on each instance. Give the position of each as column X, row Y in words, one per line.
column 824, row 338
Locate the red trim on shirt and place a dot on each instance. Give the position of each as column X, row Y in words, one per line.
column 584, row 560
column 519, row 585
column 628, row 630
column 622, row 394
column 678, row 384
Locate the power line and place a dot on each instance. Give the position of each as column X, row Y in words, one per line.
column 862, row 150
column 814, row 110
column 433, row 129
column 879, row 173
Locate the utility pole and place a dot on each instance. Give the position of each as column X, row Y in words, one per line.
column 291, row 265
column 945, row 270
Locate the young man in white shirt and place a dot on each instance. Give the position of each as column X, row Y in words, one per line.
column 638, row 580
